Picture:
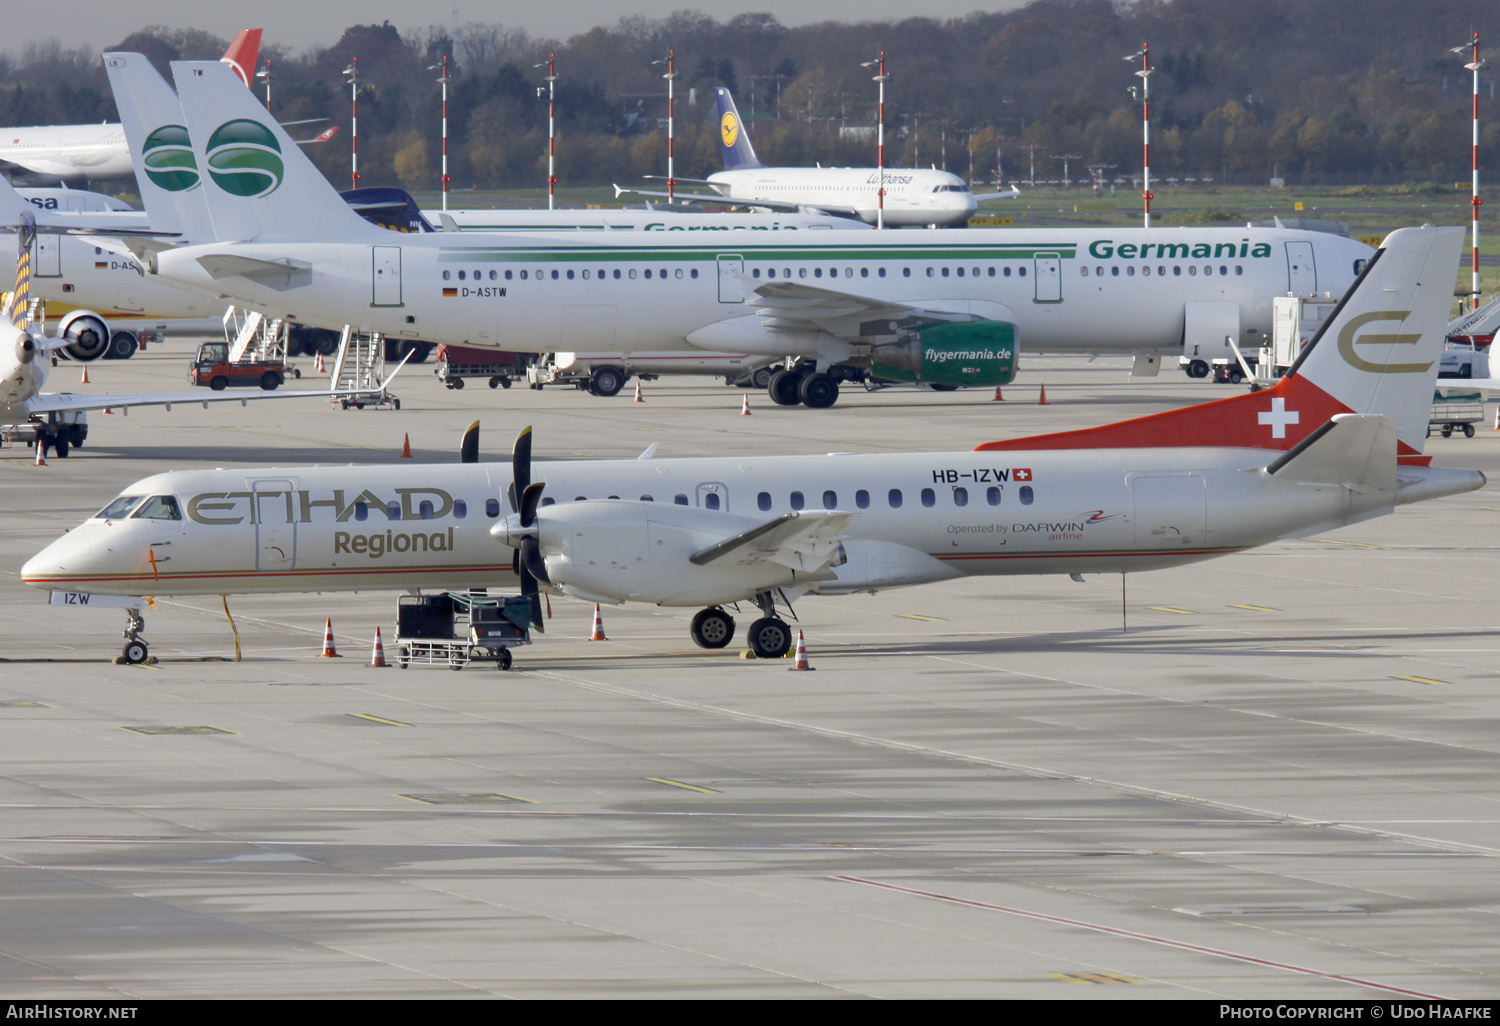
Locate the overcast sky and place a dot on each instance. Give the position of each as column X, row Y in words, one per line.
column 299, row 24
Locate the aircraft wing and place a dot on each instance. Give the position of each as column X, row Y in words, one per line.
column 831, row 209
column 804, row 541
column 64, row 402
column 852, row 317
column 980, row 197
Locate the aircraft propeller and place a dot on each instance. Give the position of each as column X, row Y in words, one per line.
column 524, row 496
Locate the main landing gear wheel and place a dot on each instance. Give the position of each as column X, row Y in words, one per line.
column 607, row 381
column 784, row 387
column 1197, row 369
column 818, row 391
column 769, row 638
column 712, row 628
column 135, row 652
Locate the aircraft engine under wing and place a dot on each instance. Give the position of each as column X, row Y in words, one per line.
column 671, row 555
column 280, row 275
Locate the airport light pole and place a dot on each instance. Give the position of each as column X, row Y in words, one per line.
column 265, row 73
column 671, row 76
column 1065, row 157
column 352, row 71
column 443, row 65
column 882, row 78
column 1145, row 76
column 551, row 65
column 1474, row 65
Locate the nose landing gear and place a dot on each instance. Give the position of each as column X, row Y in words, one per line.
column 135, row 650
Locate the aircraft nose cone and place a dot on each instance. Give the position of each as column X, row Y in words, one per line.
column 68, row 555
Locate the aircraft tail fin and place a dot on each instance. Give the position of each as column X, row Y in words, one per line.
column 243, row 54
column 167, row 170
column 259, row 184
column 735, row 140
column 1376, row 354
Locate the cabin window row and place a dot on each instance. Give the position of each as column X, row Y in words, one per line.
column 895, row 498
column 425, row 510
column 1161, row 270
column 586, row 274
column 864, row 272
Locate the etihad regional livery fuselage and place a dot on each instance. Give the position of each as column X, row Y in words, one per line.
column 944, row 307
column 1336, row 441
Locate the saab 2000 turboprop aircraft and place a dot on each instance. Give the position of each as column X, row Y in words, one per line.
column 912, row 196
column 1336, row 441
column 57, row 419
column 99, row 151
column 940, row 307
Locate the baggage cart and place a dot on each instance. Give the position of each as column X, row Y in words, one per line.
column 456, row 628
column 1455, row 410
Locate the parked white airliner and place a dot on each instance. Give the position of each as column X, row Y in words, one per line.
column 913, row 196
column 1336, row 441
column 942, row 307
column 99, row 151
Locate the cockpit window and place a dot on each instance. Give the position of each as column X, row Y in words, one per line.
column 118, row 509
column 159, row 507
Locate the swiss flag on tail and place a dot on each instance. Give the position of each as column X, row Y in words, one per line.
column 1377, row 354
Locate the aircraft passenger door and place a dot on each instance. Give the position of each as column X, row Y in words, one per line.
column 275, row 524
column 1048, row 271
column 713, row 496
column 386, row 274
column 731, row 286
column 1302, row 271
column 1170, row 512
column 48, row 262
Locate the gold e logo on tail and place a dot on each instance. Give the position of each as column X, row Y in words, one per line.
column 1347, row 342
column 729, row 128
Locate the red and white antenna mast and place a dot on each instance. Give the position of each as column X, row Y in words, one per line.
column 882, row 78
column 353, row 72
column 444, row 80
column 1145, row 76
column 551, row 65
column 1474, row 65
column 671, row 76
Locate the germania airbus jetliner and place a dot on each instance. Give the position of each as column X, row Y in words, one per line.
column 1336, row 441
column 940, row 307
column 912, row 196
column 99, row 151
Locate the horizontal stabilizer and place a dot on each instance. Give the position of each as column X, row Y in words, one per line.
column 803, row 541
column 274, row 274
column 1354, row 451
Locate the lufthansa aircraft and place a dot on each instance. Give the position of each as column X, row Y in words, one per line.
column 912, row 196
column 1336, row 441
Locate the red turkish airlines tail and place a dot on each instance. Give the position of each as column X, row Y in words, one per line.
column 1377, row 354
column 243, row 54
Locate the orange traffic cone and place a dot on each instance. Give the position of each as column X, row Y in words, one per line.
column 637, row 398
column 318, row 364
column 745, row 407
column 598, row 632
column 377, row 654
column 1042, row 400
column 998, row 397
column 801, row 662
column 41, row 461
column 406, row 447
column 1497, row 418
column 85, row 380
column 329, row 652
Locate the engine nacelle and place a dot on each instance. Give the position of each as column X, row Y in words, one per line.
column 23, row 346
column 951, row 353
column 629, row 551
column 88, row 335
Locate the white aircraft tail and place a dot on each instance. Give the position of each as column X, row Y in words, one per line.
column 259, row 184
column 18, row 309
column 167, row 170
column 1376, row 355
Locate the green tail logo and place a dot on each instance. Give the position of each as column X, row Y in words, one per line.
column 244, row 159
column 169, row 160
